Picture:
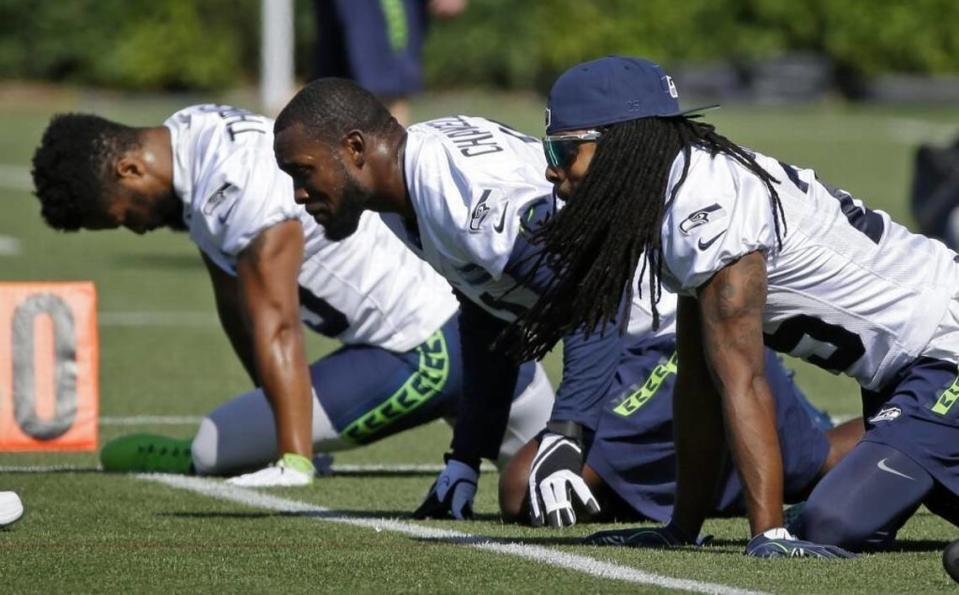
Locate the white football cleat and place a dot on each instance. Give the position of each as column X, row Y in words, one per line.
column 283, row 473
column 11, row 508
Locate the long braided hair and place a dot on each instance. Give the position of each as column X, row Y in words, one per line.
column 594, row 244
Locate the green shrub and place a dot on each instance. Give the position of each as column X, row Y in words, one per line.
column 205, row 44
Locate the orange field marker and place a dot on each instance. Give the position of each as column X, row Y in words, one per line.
column 49, row 361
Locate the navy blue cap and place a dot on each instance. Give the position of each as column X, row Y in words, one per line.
column 610, row 90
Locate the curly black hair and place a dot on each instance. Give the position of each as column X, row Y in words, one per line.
column 71, row 164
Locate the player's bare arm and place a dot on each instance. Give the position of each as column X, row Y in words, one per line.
column 227, row 296
column 267, row 279
column 731, row 306
column 698, row 423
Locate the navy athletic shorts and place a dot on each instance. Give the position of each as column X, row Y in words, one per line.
column 917, row 414
column 370, row 393
column 377, row 43
column 633, row 447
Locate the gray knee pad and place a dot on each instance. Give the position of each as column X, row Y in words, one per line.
column 204, row 448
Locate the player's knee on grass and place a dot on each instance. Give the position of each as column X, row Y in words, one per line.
column 204, row 448
column 862, row 503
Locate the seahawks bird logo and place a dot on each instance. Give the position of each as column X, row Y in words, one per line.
column 701, row 217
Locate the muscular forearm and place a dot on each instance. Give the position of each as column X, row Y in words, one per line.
column 697, row 424
column 699, row 438
column 732, row 306
column 240, row 339
column 750, row 414
column 282, row 369
column 489, row 381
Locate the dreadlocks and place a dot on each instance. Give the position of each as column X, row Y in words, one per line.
column 613, row 218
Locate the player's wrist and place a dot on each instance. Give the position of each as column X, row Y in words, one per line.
column 471, row 461
column 567, row 429
column 686, row 529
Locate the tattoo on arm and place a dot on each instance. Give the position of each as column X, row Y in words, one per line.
column 733, row 302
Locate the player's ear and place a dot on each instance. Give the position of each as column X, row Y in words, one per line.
column 129, row 167
column 355, row 146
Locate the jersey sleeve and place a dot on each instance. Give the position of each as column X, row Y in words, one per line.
column 253, row 196
column 489, row 381
column 589, row 368
column 721, row 213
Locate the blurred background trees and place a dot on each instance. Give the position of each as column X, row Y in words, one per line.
column 513, row 44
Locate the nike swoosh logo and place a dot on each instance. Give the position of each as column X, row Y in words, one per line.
column 703, row 245
column 226, row 215
column 884, row 467
column 502, row 220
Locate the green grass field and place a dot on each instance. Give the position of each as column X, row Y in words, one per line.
column 86, row 531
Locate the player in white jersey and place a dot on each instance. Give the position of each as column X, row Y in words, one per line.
column 630, row 465
column 210, row 170
column 468, row 192
column 460, row 186
column 757, row 250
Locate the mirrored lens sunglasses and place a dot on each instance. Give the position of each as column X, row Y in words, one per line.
column 561, row 149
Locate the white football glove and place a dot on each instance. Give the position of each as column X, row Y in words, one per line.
column 553, row 478
column 451, row 495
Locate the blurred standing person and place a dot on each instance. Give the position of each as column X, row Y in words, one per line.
column 378, row 44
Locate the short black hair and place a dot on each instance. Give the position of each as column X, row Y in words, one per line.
column 330, row 107
column 71, row 164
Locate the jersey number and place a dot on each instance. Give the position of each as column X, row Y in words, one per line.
column 332, row 322
column 846, row 346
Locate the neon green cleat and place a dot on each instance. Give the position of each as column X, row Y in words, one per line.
column 135, row 453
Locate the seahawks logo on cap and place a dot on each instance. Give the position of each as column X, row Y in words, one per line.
column 672, row 87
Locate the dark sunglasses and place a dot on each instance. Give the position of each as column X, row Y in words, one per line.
column 561, row 149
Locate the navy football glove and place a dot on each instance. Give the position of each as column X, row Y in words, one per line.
column 451, row 495
column 778, row 543
column 554, row 478
column 656, row 537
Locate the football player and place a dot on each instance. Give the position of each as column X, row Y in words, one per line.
column 630, row 466
column 758, row 251
column 209, row 169
column 467, row 191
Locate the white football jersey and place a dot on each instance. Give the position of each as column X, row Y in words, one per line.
column 471, row 181
column 367, row 289
column 850, row 290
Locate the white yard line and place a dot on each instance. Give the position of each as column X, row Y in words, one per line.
column 9, row 246
column 16, row 177
column 346, row 469
column 552, row 557
column 47, row 468
column 171, row 318
column 159, row 420
column 913, row 131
